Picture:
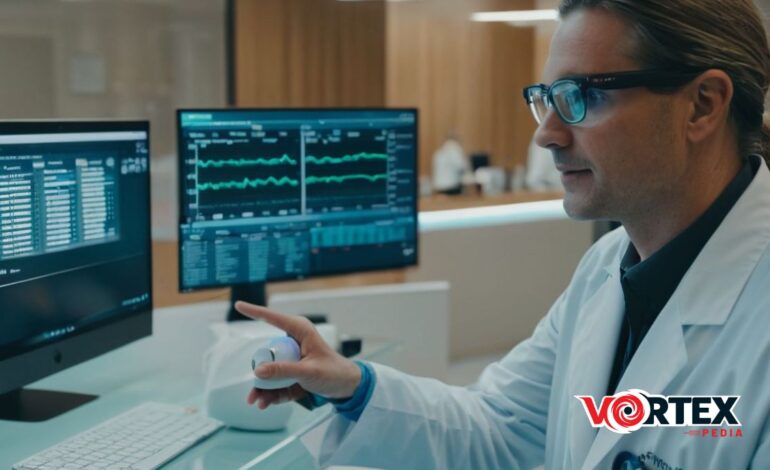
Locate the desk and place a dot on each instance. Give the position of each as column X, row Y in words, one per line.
column 152, row 370
column 442, row 202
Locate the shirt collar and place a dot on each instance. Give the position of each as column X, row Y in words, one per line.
column 655, row 279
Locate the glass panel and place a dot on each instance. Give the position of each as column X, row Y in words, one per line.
column 115, row 59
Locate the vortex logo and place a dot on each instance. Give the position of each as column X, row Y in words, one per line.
column 622, row 413
column 628, row 411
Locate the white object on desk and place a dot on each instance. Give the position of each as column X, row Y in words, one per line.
column 227, row 403
column 491, row 179
column 229, row 377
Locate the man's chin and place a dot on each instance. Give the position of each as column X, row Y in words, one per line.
column 581, row 208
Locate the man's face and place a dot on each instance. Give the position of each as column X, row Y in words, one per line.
column 627, row 158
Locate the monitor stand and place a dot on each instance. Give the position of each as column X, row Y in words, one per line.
column 31, row 405
column 254, row 293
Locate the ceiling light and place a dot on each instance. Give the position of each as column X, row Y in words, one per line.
column 521, row 16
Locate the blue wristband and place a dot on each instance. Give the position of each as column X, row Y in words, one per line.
column 352, row 408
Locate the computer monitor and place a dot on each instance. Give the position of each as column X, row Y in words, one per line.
column 279, row 194
column 75, row 262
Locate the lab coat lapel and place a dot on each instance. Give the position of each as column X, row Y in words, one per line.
column 706, row 296
column 593, row 350
column 660, row 357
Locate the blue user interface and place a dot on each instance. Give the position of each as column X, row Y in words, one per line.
column 74, row 228
column 286, row 194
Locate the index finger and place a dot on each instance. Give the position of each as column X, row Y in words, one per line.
column 296, row 327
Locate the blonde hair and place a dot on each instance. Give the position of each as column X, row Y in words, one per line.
column 704, row 34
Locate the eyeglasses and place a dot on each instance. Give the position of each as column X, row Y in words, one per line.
column 571, row 96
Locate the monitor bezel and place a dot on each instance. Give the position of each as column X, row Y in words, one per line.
column 29, row 363
column 180, row 193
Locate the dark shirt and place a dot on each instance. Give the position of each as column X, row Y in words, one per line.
column 649, row 284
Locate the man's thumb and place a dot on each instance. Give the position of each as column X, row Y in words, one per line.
column 282, row 370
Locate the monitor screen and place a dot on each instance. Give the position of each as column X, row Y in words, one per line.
column 74, row 231
column 271, row 195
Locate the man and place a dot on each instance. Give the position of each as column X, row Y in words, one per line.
column 653, row 114
column 450, row 166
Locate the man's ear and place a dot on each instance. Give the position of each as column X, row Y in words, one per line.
column 711, row 95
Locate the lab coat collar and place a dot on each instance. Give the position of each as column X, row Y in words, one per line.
column 733, row 250
column 711, row 287
column 706, row 296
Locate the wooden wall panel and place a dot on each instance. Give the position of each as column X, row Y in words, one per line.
column 464, row 76
column 543, row 35
column 260, row 51
column 362, row 36
column 309, row 53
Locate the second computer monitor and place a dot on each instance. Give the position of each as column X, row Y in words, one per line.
column 269, row 195
column 75, row 252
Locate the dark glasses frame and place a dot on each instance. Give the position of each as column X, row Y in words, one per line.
column 652, row 78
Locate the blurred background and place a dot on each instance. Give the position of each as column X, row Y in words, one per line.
column 146, row 58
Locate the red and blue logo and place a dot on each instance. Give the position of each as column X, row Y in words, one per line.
column 634, row 409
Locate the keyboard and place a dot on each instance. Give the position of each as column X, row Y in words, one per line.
column 142, row 438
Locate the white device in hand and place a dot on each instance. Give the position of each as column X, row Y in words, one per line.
column 279, row 349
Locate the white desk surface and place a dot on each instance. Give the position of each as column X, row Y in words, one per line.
column 151, row 369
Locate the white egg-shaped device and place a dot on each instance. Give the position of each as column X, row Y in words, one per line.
column 281, row 349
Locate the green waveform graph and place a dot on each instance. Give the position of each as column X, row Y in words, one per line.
column 241, row 162
column 310, row 159
column 343, row 178
column 287, row 160
column 247, row 183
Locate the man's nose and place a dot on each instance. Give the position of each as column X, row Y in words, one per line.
column 553, row 132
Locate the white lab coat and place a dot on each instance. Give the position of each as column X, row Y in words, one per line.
column 711, row 338
column 449, row 166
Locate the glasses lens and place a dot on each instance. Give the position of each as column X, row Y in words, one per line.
column 569, row 102
column 537, row 103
